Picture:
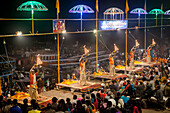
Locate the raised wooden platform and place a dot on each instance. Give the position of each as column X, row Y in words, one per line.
column 106, row 77
column 135, row 69
column 78, row 87
column 147, row 64
column 42, row 100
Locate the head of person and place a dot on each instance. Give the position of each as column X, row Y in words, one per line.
column 165, row 81
column 25, row 101
column 8, row 101
column 151, row 78
column 33, row 101
column 15, row 102
column 102, row 91
column 158, row 87
column 98, row 95
column 75, row 97
column 105, row 100
column 109, row 104
column 54, row 99
column 83, row 95
column 92, row 95
column 83, row 101
column 68, row 100
column 79, row 104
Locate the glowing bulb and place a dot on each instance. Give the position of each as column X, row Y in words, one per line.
column 64, row 31
column 94, row 31
column 18, row 33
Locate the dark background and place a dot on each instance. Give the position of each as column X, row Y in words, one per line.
column 8, row 10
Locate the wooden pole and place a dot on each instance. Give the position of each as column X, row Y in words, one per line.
column 126, row 47
column 156, row 20
column 96, row 43
column 145, row 31
column 161, row 21
column 32, row 21
column 58, row 51
column 139, row 21
column 81, row 21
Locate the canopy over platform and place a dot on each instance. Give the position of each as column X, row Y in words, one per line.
column 138, row 11
column 167, row 12
column 156, row 11
column 113, row 12
column 32, row 5
column 81, row 9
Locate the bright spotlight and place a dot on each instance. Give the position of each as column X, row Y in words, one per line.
column 94, row 31
column 136, row 27
column 18, row 33
column 63, row 37
column 64, row 31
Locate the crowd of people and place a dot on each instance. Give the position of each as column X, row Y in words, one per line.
column 149, row 89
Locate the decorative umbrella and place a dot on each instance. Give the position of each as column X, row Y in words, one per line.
column 167, row 12
column 138, row 11
column 32, row 6
column 156, row 12
column 81, row 9
column 113, row 11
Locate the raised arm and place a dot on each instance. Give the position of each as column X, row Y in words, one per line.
column 32, row 68
column 81, row 58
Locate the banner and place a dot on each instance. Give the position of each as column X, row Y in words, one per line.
column 113, row 25
column 58, row 26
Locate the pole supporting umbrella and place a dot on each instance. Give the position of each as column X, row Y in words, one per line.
column 156, row 12
column 138, row 11
column 81, row 9
column 32, row 6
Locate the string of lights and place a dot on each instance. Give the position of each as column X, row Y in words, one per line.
column 39, row 34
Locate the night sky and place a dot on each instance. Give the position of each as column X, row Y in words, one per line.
column 8, row 10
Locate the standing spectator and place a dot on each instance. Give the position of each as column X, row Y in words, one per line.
column 79, row 108
column 74, row 99
column 162, row 86
column 40, row 85
column 140, row 89
column 99, row 100
column 102, row 94
column 15, row 108
column 35, row 109
column 68, row 104
column 94, row 100
column 152, row 83
column 2, row 103
column 6, row 108
column 48, row 84
column 61, row 106
column 24, row 107
column 54, row 103
column 159, row 97
column 49, row 109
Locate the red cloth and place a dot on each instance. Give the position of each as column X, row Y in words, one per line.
column 135, row 109
column 102, row 95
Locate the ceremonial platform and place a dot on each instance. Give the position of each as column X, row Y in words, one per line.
column 42, row 100
column 128, row 69
column 137, row 63
column 106, row 77
column 77, row 87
